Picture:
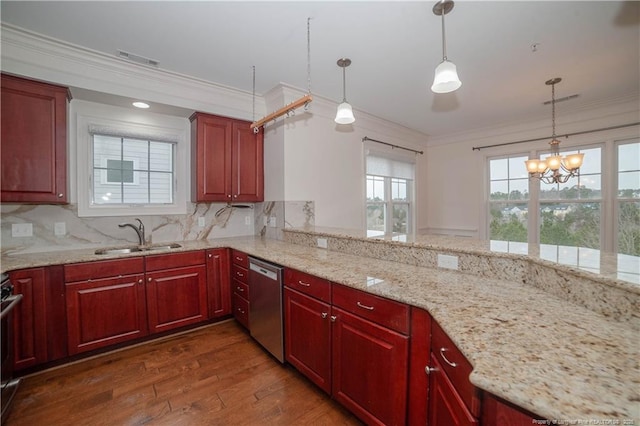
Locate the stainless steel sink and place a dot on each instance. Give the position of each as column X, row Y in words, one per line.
column 119, row 250
column 136, row 249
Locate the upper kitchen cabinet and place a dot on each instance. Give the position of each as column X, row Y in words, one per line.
column 227, row 160
column 34, row 141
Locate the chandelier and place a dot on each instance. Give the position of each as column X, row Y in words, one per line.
column 555, row 168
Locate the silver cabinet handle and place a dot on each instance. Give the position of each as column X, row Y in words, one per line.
column 60, row 195
column 149, row 279
column 140, row 281
column 442, row 351
column 430, row 370
column 368, row 308
column 210, row 255
column 324, row 315
column 240, row 310
column 241, row 259
column 15, row 299
column 302, row 283
column 333, row 318
column 229, row 196
column 240, row 274
column 240, row 289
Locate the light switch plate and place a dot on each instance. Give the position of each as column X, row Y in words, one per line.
column 20, row 230
column 247, row 220
column 448, row 262
column 272, row 222
column 60, row 229
column 322, row 243
column 201, row 222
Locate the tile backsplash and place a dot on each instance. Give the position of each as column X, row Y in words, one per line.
column 217, row 220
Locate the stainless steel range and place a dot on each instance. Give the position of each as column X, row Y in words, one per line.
column 9, row 385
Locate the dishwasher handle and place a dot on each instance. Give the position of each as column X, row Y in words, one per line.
column 269, row 271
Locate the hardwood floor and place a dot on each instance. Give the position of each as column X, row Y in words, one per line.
column 216, row 375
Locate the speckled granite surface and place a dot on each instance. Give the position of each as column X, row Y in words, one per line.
column 549, row 356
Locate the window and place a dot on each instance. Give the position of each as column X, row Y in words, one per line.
column 628, row 198
column 508, row 199
column 129, row 164
column 389, row 192
column 572, row 222
column 132, row 171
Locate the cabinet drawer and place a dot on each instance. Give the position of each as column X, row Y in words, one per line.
column 241, row 289
column 159, row 262
column 239, row 258
column 308, row 284
column 239, row 273
column 103, row 269
column 241, row 309
column 388, row 313
column 455, row 366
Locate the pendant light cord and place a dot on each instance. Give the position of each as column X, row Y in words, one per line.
column 553, row 110
column 344, row 89
column 308, row 57
column 444, row 43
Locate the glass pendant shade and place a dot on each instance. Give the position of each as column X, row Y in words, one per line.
column 446, row 78
column 573, row 161
column 344, row 114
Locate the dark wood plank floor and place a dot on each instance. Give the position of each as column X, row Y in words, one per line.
column 216, row 375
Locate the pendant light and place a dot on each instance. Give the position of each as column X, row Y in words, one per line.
column 549, row 169
column 446, row 76
column 344, row 115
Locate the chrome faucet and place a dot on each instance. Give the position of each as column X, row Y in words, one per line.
column 139, row 230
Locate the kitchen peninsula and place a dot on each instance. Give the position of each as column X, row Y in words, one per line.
column 538, row 350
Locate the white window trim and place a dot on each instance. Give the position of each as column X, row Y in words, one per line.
column 86, row 124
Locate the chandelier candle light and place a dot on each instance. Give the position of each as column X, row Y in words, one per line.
column 344, row 115
column 549, row 170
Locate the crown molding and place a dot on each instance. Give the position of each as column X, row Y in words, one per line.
column 45, row 58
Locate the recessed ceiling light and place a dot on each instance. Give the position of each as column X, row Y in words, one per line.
column 142, row 105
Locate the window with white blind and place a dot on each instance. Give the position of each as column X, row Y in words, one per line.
column 390, row 180
column 128, row 168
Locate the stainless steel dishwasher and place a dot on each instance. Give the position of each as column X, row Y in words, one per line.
column 265, row 306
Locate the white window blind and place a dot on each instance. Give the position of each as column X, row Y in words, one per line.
column 390, row 164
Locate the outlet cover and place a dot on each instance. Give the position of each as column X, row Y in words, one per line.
column 20, row 230
column 201, row 222
column 322, row 243
column 247, row 220
column 60, row 229
column 448, row 262
column 272, row 222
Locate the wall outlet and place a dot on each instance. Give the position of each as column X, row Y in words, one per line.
column 322, row 243
column 448, row 262
column 20, row 230
column 201, row 222
column 60, row 229
column 265, row 220
column 247, row 220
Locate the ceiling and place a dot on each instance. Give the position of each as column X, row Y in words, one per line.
column 594, row 46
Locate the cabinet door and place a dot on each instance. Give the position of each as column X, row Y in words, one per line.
column 105, row 311
column 210, row 158
column 176, row 297
column 34, row 141
column 420, row 349
column 218, row 283
column 497, row 412
column 29, row 325
column 445, row 405
column 248, row 163
column 370, row 369
column 308, row 337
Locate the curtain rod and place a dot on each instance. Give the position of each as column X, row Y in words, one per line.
column 478, row 148
column 366, row 138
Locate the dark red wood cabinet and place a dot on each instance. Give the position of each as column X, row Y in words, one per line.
column 445, row 405
column 419, row 352
column 227, row 160
column 33, row 141
column 30, row 333
column 106, row 303
column 308, row 336
column 218, row 282
column 497, row 412
column 240, row 287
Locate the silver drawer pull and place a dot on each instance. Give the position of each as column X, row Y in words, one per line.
column 240, row 274
column 442, row 351
column 302, row 283
column 368, row 308
column 239, row 288
column 241, row 259
column 324, row 314
column 430, row 370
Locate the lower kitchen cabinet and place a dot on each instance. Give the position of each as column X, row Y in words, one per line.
column 176, row 290
column 106, row 303
column 218, row 282
column 496, row 412
column 445, row 405
column 30, row 332
column 369, row 369
column 308, row 337
column 419, row 352
column 240, row 287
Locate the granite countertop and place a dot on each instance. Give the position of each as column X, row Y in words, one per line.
column 556, row 359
